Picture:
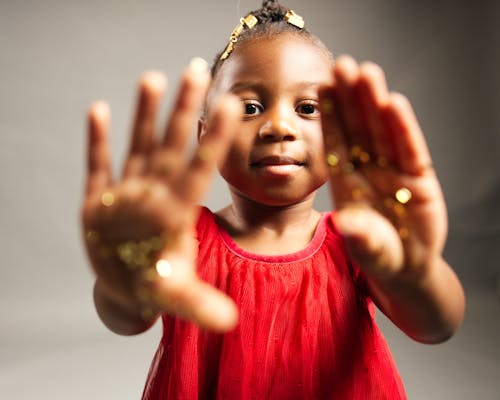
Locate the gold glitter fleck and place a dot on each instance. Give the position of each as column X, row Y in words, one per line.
column 164, row 268
column 327, row 106
column 403, row 195
column 404, row 233
column 382, row 161
column 332, row 159
column 107, row 199
column 93, row 237
column 357, row 193
column 348, row 168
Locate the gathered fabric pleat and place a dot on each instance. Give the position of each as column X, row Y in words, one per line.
column 306, row 328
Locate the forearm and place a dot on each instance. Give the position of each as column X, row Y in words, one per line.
column 117, row 317
column 429, row 308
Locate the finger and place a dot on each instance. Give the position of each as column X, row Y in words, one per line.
column 336, row 148
column 165, row 164
column 412, row 153
column 181, row 292
column 211, row 308
column 98, row 155
column 350, row 112
column 187, row 107
column 372, row 89
column 371, row 240
column 222, row 125
column 203, row 304
column 152, row 86
column 346, row 185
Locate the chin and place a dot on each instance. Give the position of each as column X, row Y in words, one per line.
column 276, row 192
column 276, row 197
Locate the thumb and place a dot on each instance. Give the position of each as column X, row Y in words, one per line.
column 179, row 290
column 192, row 299
column 372, row 241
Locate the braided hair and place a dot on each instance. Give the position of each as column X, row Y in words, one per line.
column 271, row 11
column 271, row 21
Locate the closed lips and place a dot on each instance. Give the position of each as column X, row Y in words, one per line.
column 276, row 160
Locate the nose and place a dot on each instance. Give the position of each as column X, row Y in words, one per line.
column 279, row 126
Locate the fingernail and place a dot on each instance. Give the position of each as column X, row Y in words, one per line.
column 198, row 65
column 154, row 79
column 100, row 108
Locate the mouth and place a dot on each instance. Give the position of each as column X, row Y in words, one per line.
column 277, row 166
column 270, row 161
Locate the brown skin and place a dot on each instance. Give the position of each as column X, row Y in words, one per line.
column 276, row 162
column 408, row 277
column 272, row 212
column 144, row 198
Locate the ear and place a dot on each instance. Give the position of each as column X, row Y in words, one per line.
column 202, row 127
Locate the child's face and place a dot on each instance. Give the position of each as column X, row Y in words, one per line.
column 277, row 157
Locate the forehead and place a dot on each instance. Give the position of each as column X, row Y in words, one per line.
column 280, row 60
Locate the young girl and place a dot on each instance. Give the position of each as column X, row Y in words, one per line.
column 268, row 298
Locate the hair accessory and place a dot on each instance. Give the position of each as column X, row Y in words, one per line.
column 294, row 19
column 250, row 21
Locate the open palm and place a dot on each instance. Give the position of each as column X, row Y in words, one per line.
column 149, row 213
column 390, row 206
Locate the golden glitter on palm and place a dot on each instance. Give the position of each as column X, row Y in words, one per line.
column 148, row 215
column 390, row 205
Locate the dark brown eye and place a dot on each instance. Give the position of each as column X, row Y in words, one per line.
column 252, row 107
column 308, row 108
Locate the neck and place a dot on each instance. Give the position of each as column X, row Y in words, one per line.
column 245, row 215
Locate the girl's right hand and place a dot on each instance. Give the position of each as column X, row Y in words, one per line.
column 150, row 212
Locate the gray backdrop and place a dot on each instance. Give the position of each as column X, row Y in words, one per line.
column 56, row 56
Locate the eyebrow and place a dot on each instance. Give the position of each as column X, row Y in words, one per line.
column 308, row 85
column 260, row 86
column 247, row 85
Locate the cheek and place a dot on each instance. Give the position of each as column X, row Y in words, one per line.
column 313, row 136
column 241, row 146
column 236, row 158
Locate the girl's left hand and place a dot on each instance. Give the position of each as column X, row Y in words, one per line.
column 390, row 205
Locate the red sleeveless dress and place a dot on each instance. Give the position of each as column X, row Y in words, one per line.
column 306, row 330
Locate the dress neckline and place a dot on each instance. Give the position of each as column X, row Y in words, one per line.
column 311, row 248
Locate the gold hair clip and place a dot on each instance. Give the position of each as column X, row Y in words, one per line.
column 250, row 21
column 294, row 19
